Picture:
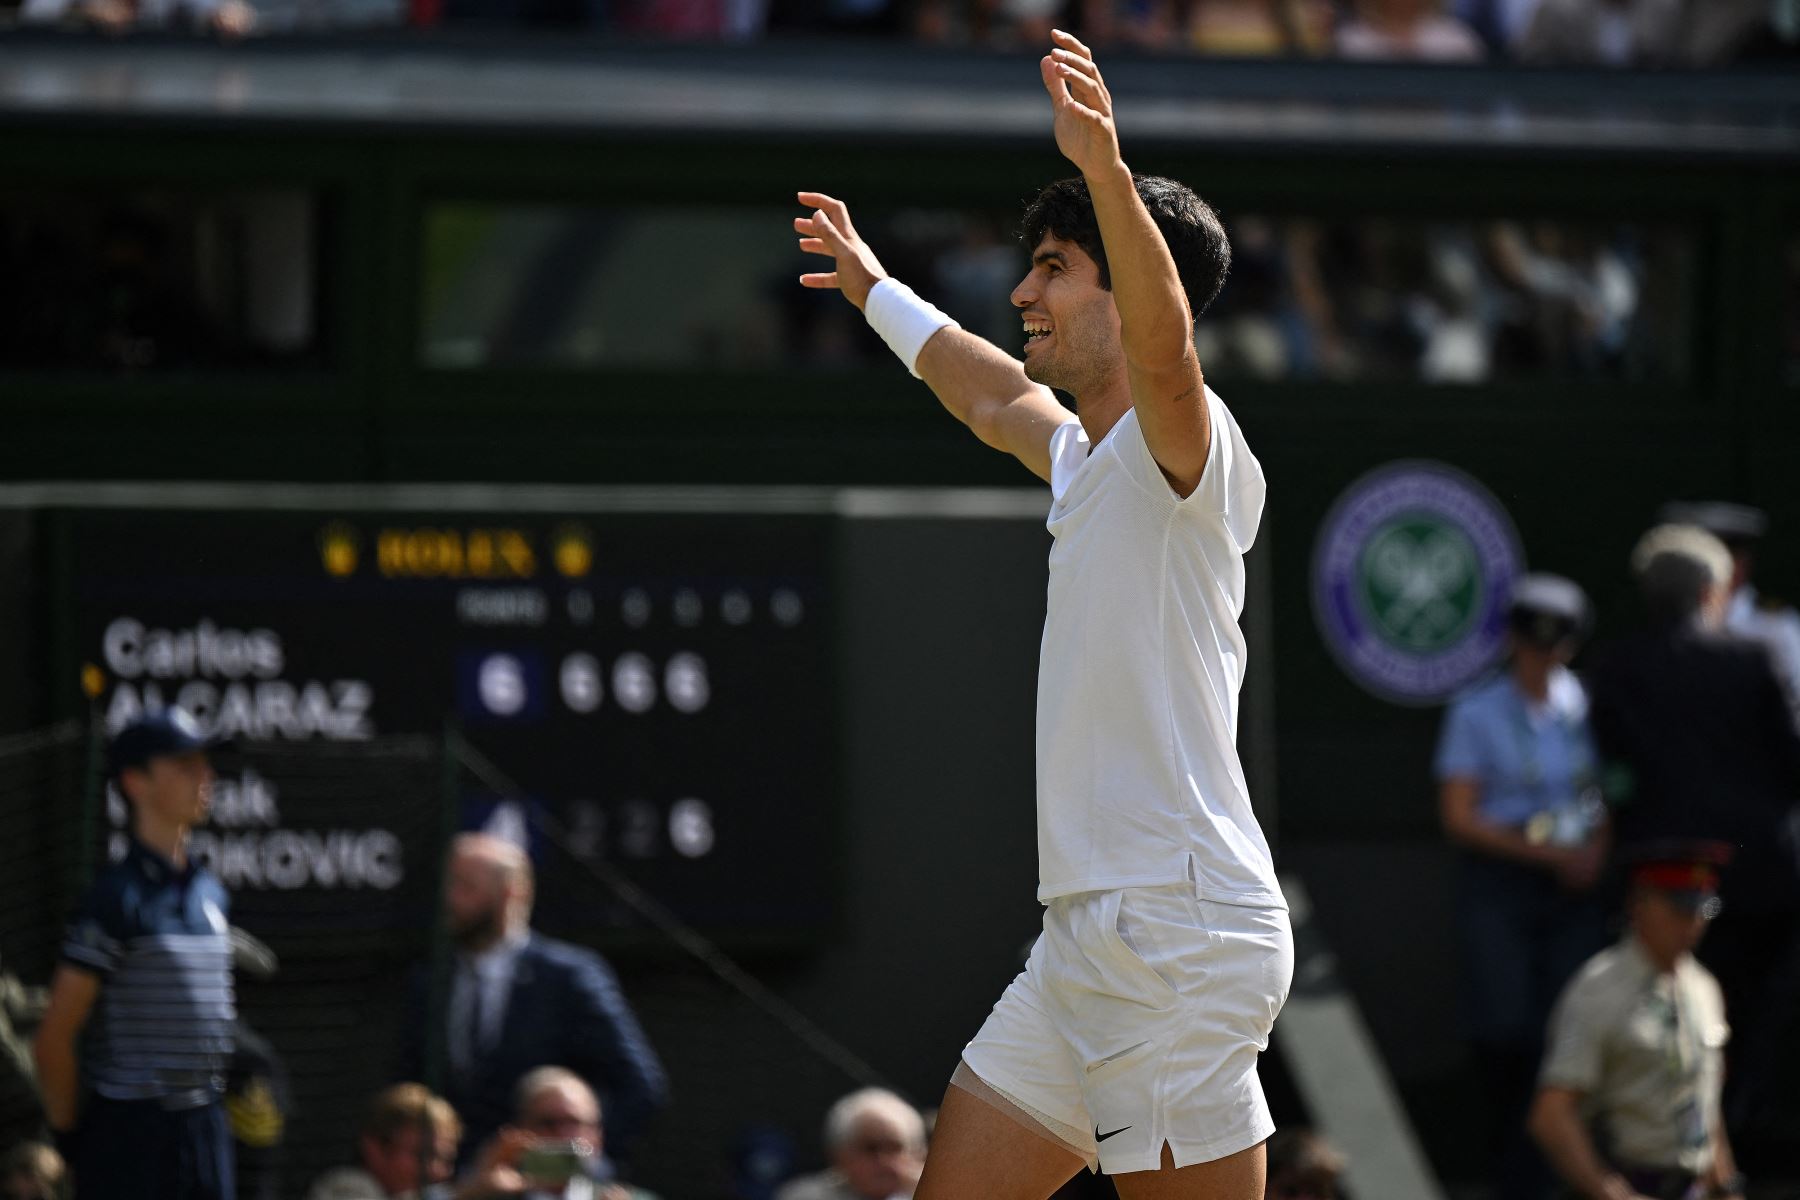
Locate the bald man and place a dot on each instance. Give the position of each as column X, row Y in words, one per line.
column 519, row 1001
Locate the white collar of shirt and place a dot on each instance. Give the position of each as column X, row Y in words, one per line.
column 1742, row 605
column 498, row 959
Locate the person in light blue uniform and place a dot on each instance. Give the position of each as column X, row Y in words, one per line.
column 1519, row 797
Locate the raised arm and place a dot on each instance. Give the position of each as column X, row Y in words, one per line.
column 1155, row 325
column 980, row 384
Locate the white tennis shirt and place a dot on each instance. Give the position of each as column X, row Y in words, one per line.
column 1138, row 777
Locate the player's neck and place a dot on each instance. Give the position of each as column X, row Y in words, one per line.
column 169, row 841
column 1099, row 410
column 1663, row 962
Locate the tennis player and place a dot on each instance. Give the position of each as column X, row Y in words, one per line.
column 1129, row 1043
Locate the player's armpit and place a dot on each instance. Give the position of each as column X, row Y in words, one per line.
column 1023, row 429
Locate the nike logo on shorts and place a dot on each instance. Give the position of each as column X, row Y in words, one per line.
column 1101, row 1137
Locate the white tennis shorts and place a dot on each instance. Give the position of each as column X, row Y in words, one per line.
column 1136, row 1022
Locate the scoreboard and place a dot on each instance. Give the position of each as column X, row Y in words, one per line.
column 657, row 687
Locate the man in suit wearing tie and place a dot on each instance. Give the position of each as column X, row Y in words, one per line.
column 518, row 1001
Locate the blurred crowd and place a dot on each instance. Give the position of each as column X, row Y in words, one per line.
column 1644, row 33
column 1442, row 301
column 132, row 1078
column 163, row 280
column 1628, row 905
column 1346, row 298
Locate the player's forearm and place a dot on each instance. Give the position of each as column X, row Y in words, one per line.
column 59, row 1075
column 1155, row 327
column 974, row 379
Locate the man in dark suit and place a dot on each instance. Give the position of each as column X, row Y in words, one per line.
column 517, row 1001
column 1700, row 745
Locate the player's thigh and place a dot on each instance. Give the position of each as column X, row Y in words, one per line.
column 980, row 1153
column 1237, row 1176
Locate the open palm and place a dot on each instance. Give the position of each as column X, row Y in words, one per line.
column 1083, row 106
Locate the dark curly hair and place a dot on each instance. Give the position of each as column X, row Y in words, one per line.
column 1194, row 234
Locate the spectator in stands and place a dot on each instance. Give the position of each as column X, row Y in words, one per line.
column 1499, row 23
column 1519, row 795
column 553, row 1150
column 518, row 1000
column 406, row 1148
column 1236, row 28
column 1619, row 33
column 148, row 959
column 1572, row 295
column 33, row 1171
column 227, row 18
column 1700, row 744
column 1613, row 33
column 1773, row 624
column 1303, row 1166
column 876, row 1144
column 1407, row 29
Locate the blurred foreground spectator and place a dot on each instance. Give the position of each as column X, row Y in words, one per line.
column 1776, row 626
column 1407, row 29
column 1700, row 744
column 146, row 975
column 33, row 1171
column 406, row 1147
column 553, row 1150
column 876, row 1144
column 1636, row 1048
column 21, row 1114
column 1303, row 1166
column 519, row 1001
column 1519, row 795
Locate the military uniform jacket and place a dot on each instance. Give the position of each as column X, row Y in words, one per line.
column 1647, row 1052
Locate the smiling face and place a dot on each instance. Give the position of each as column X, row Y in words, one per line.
column 1071, row 323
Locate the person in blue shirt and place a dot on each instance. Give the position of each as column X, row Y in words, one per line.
column 146, row 974
column 1519, row 797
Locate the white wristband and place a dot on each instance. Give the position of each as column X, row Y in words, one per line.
column 904, row 321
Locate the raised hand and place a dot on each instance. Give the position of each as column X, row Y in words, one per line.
column 828, row 231
column 1084, row 114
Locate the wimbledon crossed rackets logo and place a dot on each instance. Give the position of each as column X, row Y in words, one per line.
column 1410, row 577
